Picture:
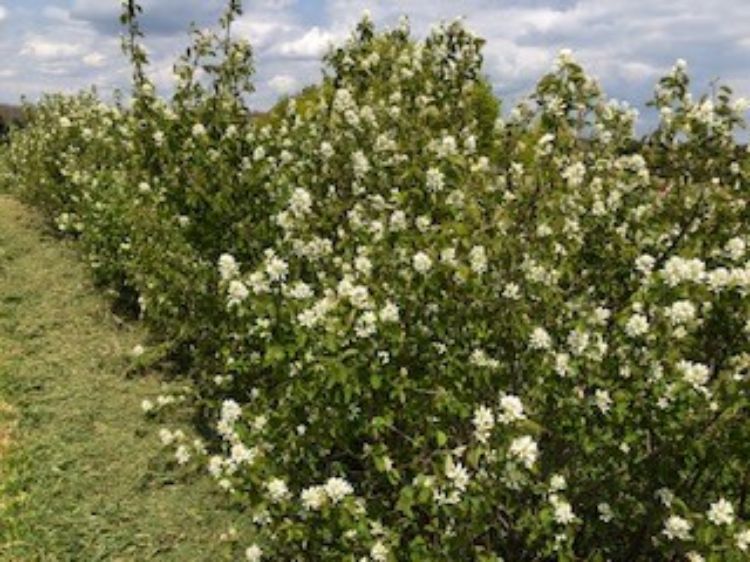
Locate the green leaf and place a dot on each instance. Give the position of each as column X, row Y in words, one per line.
column 406, row 501
column 376, row 381
column 441, row 438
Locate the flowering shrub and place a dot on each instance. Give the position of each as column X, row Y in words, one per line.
column 420, row 331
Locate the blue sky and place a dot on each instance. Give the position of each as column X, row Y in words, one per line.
column 52, row 45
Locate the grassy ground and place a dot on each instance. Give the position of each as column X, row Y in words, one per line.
column 78, row 461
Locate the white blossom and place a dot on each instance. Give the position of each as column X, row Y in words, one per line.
column 448, row 146
column 478, row 259
column 301, row 291
column 228, row 267
column 363, row 265
column 254, row 553
column 605, row 512
column 360, row 164
column 230, row 411
column 665, row 496
column 479, row 358
column 645, row 264
column 721, row 512
column 326, row 150
column 562, row 510
column 277, row 490
column 574, row 174
column 300, row 202
column 240, row 455
column 448, row 256
column 166, row 437
column 379, row 552
column 557, row 483
column 637, row 325
column 337, row 489
column 540, row 339
column 677, row 270
column 602, row 400
column 457, row 474
column 366, row 324
column 735, row 249
column 680, row 312
column 695, row 374
column 237, row 292
column 276, row 268
column 484, row 421
column 525, row 450
column 511, row 409
column 182, row 455
column 422, row 262
column 389, row 313
column 512, row 291
column 675, row 527
column 314, row 498
column 398, row 221
column 435, row 180
column 423, row 223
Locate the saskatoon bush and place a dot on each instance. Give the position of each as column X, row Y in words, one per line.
column 421, row 331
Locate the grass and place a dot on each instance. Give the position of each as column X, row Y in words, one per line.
column 81, row 473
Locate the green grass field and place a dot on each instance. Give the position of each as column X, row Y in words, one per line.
column 79, row 463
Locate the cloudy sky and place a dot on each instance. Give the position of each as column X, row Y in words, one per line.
column 52, row 45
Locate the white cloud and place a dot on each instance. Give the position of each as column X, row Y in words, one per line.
column 94, row 9
column 57, row 14
column 638, row 71
column 3, row 13
column 159, row 17
column 312, row 44
column 43, row 49
column 261, row 34
column 94, row 60
column 275, row 4
column 513, row 62
column 283, row 83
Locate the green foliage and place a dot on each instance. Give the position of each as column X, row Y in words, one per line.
column 420, row 331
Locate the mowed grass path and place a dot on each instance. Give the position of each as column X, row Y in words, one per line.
column 79, row 476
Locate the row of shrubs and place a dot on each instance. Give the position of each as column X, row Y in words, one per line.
column 418, row 330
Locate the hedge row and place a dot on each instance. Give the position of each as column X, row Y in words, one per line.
column 418, row 330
